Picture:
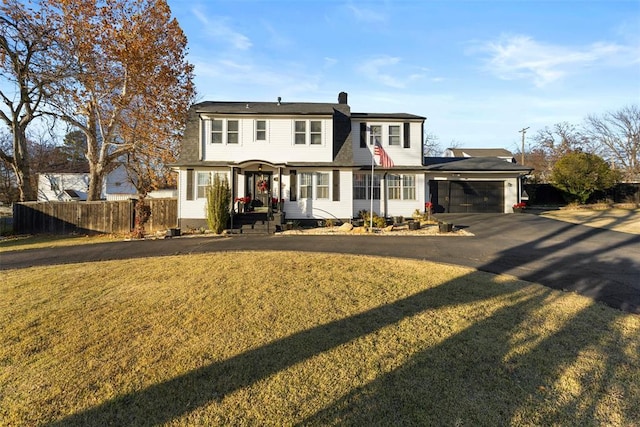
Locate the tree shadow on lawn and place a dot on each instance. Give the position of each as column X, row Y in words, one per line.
column 199, row 387
column 475, row 373
column 476, row 378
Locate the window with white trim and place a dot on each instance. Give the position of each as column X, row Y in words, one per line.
column 232, row 131
column 408, row 187
column 224, row 131
column 306, row 185
column 375, row 134
column 261, row 130
column 362, row 186
column 322, row 185
column 307, row 132
column 216, row 131
column 300, row 132
column 205, row 179
column 394, row 135
column 315, row 135
column 401, row 187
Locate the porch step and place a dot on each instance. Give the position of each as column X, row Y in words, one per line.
column 254, row 223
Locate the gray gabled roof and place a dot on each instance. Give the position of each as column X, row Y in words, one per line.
column 480, row 152
column 468, row 164
column 270, row 108
column 395, row 116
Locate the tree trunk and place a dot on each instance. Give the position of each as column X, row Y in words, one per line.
column 95, row 183
column 21, row 165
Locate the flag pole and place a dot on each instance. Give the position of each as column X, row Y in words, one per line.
column 373, row 162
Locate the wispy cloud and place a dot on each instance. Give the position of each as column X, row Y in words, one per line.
column 379, row 68
column 219, row 28
column 366, row 15
column 522, row 57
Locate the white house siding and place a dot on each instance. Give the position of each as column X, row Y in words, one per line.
column 51, row 186
column 315, row 208
column 411, row 156
column 279, row 146
column 193, row 209
column 117, row 185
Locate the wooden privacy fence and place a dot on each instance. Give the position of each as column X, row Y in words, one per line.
column 91, row 217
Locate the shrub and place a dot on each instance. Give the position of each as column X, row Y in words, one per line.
column 580, row 174
column 218, row 202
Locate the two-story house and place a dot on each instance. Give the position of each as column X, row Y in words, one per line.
column 314, row 160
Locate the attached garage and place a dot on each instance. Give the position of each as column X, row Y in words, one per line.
column 473, row 184
column 467, row 196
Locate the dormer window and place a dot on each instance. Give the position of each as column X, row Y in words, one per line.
column 394, row 135
column 300, row 132
column 316, row 132
column 232, row 132
column 375, row 135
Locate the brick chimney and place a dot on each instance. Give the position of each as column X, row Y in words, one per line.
column 342, row 98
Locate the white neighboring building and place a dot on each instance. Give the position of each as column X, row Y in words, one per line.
column 315, row 159
column 75, row 186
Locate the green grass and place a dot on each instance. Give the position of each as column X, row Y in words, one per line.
column 283, row 338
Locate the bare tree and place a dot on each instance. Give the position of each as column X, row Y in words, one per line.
column 25, row 38
column 617, row 134
column 132, row 86
column 553, row 143
column 431, row 147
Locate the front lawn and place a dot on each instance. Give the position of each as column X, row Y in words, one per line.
column 284, row 338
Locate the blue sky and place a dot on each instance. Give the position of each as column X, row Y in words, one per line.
column 478, row 70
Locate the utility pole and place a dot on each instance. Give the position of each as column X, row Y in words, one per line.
column 523, row 131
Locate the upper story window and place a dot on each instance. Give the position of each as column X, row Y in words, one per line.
column 300, row 132
column 394, row 135
column 224, row 131
column 375, row 134
column 307, row 132
column 232, row 131
column 216, row 131
column 316, row 132
column 261, row 130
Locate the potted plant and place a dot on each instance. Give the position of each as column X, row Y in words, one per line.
column 519, row 207
column 444, row 227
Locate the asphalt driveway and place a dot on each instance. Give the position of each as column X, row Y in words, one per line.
column 601, row 264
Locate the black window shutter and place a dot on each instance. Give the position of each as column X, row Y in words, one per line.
column 189, row 184
column 293, row 186
column 336, row 185
column 363, row 135
column 407, row 135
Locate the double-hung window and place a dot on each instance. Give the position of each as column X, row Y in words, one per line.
column 306, row 185
column 394, row 135
column 315, row 132
column 225, row 131
column 362, row 186
column 307, row 132
column 216, row 131
column 205, row 179
column 375, row 134
column 232, row 131
column 300, row 132
column 261, row 130
column 401, row 187
column 394, row 187
column 322, row 185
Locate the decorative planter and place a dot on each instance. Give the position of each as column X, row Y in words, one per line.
column 445, row 227
column 518, row 210
column 414, row 225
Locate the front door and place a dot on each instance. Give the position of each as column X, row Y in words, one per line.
column 259, row 187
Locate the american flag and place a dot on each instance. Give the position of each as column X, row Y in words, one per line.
column 385, row 160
